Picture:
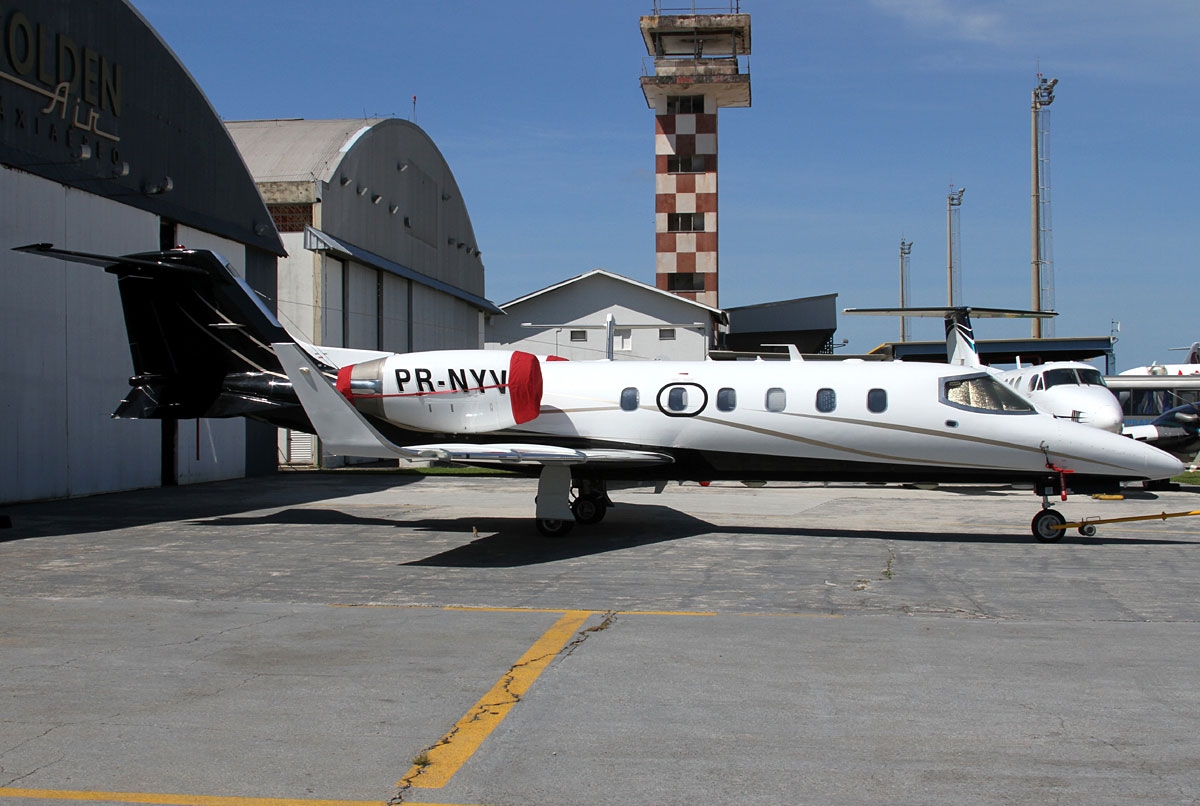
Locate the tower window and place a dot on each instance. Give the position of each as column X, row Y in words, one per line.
column 685, row 105
column 687, row 281
column 693, row 164
column 685, row 222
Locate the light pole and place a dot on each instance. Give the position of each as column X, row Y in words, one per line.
column 1043, row 96
column 953, row 202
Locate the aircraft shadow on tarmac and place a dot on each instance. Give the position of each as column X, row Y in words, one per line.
column 195, row 502
column 510, row 542
column 298, row 517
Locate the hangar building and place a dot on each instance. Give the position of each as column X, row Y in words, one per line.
column 381, row 253
column 107, row 145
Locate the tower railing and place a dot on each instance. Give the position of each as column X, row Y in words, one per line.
column 732, row 7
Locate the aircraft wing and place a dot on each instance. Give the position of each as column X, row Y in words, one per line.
column 344, row 431
column 1152, row 381
column 517, row 453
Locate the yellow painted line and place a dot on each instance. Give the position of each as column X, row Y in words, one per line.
column 452, row 750
column 175, row 800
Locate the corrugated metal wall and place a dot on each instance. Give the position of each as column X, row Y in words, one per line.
column 65, row 358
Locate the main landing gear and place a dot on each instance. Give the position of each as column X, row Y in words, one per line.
column 589, row 502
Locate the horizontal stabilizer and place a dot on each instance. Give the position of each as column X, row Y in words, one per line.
column 342, row 429
column 969, row 310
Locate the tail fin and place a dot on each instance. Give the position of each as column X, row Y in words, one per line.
column 199, row 336
column 960, row 338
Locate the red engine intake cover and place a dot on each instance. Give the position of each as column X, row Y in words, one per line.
column 524, row 386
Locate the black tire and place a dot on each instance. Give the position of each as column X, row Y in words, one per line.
column 1088, row 530
column 588, row 509
column 1043, row 523
column 554, row 527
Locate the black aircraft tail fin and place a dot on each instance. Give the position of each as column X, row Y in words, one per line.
column 199, row 336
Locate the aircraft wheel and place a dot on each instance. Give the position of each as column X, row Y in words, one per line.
column 1043, row 524
column 588, row 509
column 1087, row 530
column 554, row 527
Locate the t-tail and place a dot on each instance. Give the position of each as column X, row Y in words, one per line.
column 199, row 336
column 960, row 335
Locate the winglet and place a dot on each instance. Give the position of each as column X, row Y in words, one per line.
column 342, row 428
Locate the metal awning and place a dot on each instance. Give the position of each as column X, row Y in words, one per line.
column 318, row 241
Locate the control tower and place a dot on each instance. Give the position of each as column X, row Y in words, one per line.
column 696, row 73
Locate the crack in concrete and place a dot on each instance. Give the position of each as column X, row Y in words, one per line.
column 409, row 781
column 21, row 744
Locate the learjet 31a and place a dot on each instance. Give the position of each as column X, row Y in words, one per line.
column 203, row 345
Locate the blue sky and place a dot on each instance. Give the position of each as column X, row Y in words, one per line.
column 864, row 113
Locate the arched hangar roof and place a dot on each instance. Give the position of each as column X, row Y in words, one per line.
column 382, row 185
column 94, row 99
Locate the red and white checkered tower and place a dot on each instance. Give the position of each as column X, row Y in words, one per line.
column 696, row 72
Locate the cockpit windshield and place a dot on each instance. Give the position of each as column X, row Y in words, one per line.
column 983, row 393
column 1060, row 377
column 1072, row 376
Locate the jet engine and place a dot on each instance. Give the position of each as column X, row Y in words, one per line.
column 447, row 391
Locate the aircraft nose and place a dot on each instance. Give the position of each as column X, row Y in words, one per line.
column 1113, row 451
column 1108, row 415
column 1160, row 465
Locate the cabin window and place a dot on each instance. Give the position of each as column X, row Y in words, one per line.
column 629, row 399
column 776, row 399
column 826, row 400
column 1035, row 383
column 578, row 335
column 726, row 399
column 983, row 393
column 677, row 399
column 685, row 222
column 877, row 401
column 666, row 334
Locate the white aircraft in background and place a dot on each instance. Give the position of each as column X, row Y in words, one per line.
column 1162, row 404
column 203, row 345
column 1070, row 390
column 1189, row 367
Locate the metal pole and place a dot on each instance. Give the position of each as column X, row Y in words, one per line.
column 1043, row 95
column 954, row 200
column 905, row 251
column 1035, row 223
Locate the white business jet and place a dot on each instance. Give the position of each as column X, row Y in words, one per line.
column 203, row 345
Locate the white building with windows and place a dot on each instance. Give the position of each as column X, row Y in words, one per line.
column 604, row 315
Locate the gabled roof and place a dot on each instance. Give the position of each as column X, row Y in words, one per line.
column 716, row 313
